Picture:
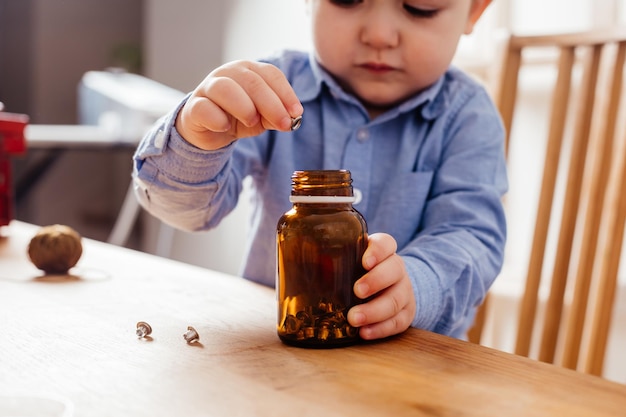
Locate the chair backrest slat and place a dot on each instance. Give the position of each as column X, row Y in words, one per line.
column 610, row 260
column 582, row 191
column 589, row 242
column 572, row 203
column 558, row 117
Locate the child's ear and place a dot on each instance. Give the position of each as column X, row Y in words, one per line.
column 476, row 10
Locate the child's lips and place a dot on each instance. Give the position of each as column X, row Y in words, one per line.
column 377, row 67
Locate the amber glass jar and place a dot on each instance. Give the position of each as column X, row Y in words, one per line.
column 320, row 241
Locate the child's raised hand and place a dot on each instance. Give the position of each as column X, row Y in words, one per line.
column 237, row 100
column 392, row 307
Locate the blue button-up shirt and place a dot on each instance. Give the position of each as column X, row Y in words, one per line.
column 431, row 173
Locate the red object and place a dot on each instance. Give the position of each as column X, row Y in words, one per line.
column 12, row 142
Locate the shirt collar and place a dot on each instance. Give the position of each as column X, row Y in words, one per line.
column 309, row 88
column 428, row 102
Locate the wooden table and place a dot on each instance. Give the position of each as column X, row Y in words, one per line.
column 74, row 337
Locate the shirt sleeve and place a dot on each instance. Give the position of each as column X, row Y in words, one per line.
column 458, row 250
column 179, row 183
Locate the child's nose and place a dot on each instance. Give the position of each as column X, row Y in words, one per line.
column 380, row 31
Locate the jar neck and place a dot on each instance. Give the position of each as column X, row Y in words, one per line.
column 334, row 184
column 322, row 199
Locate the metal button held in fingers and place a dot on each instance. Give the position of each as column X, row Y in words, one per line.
column 296, row 122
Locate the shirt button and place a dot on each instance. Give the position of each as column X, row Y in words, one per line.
column 358, row 196
column 363, row 135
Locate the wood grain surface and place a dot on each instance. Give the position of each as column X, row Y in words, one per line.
column 74, row 336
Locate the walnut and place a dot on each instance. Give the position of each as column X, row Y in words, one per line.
column 55, row 249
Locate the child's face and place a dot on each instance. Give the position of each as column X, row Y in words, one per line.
column 385, row 51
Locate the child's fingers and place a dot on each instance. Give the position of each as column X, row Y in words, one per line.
column 386, row 328
column 279, row 84
column 387, row 304
column 388, row 314
column 269, row 91
column 206, row 115
column 380, row 246
column 272, row 95
column 231, row 99
column 238, row 100
column 383, row 276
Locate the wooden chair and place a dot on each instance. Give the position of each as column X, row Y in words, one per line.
column 585, row 155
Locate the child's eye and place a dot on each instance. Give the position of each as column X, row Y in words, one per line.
column 417, row 12
column 346, row 3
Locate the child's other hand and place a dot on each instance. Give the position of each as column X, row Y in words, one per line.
column 392, row 308
column 237, row 100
